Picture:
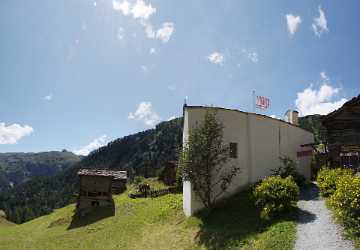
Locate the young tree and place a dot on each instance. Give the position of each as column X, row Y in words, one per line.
column 203, row 159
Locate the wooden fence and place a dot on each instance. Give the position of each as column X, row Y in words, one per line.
column 154, row 193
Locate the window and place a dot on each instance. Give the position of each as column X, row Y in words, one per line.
column 233, row 150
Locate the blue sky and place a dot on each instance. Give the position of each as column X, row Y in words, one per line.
column 77, row 74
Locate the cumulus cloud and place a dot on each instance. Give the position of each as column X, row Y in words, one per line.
column 216, row 58
column 48, row 97
column 293, row 23
column 146, row 114
column 165, row 32
column 138, row 10
column 319, row 101
column 319, row 25
column 95, row 144
column 11, row 134
column 123, row 7
column 142, row 12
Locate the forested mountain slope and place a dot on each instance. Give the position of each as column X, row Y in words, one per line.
column 142, row 153
column 16, row 168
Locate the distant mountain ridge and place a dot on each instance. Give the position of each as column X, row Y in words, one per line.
column 17, row 168
column 143, row 153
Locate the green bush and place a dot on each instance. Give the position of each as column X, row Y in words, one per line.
column 346, row 202
column 275, row 195
column 138, row 180
column 288, row 168
column 326, row 179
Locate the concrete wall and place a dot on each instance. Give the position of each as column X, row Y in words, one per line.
column 261, row 141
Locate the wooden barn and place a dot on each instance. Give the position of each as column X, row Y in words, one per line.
column 343, row 135
column 97, row 187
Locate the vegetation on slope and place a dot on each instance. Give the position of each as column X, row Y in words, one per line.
column 144, row 153
column 16, row 168
column 3, row 221
column 154, row 224
column 313, row 124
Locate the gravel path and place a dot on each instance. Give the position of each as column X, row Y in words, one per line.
column 316, row 228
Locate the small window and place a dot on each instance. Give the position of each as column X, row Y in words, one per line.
column 233, row 150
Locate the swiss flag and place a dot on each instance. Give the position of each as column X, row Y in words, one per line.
column 262, row 102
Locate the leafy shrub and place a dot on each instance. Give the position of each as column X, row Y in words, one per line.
column 326, row 179
column 346, row 202
column 275, row 195
column 288, row 168
column 138, row 179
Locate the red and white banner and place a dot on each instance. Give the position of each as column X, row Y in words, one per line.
column 262, row 102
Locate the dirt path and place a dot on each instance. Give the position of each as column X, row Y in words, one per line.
column 316, row 228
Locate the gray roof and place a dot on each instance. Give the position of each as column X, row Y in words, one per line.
column 117, row 175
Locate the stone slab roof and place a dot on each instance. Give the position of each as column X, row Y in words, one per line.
column 117, row 175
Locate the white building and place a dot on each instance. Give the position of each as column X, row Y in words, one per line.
column 259, row 140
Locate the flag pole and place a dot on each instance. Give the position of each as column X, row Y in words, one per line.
column 253, row 101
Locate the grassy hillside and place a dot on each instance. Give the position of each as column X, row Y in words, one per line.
column 3, row 221
column 143, row 153
column 16, row 168
column 153, row 224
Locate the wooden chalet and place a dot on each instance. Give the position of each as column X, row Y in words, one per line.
column 97, row 187
column 343, row 135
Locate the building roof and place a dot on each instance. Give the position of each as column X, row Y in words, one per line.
column 352, row 103
column 247, row 113
column 117, row 175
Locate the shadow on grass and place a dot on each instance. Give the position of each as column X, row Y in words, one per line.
column 233, row 223
column 93, row 216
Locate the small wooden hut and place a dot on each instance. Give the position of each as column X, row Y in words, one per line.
column 97, row 187
column 343, row 135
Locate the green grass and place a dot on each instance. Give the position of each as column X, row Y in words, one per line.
column 154, row 224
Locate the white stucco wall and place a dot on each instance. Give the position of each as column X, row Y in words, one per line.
column 261, row 141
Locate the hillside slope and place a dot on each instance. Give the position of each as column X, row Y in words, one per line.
column 16, row 168
column 142, row 153
column 153, row 224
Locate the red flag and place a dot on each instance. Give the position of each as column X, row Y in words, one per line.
column 262, row 102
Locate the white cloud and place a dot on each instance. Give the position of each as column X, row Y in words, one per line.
column 121, row 33
column 146, row 114
column 171, row 118
column 149, row 29
column 152, row 51
column 320, row 23
column 253, row 56
column 293, row 23
column 216, row 58
column 144, row 68
column 95, row 144
column 165, row 32
column 324, row 77
column 321, row 101
column 48, row 97
column 124, row 7
column 139, row 10
column 274, row 116
column 142, row 12
column 13, row 133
